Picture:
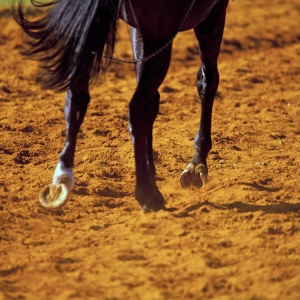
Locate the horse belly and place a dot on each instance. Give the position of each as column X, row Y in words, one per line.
column 135, row 14
column 198, row 14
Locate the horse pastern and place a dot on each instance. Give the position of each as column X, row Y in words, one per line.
column 63, row 175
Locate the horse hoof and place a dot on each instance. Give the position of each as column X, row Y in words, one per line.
column 148, row 209
column 195, row 175
column 186, row 176
column 153, row 204
column 200, row 175
column 185, row 179
column 54, row 196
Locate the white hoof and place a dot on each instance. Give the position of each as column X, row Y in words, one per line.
column 54, row 196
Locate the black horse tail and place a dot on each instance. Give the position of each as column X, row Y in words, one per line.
column 69, row 40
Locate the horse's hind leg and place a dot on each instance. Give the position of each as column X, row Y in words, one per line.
column 209, row 34
column 143, row 109
column 56, row 194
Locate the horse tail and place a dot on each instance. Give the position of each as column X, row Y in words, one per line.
column 69, row 40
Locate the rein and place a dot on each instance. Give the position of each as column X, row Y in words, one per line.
column 144, row 59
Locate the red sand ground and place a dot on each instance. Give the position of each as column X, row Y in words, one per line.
column 238, row 238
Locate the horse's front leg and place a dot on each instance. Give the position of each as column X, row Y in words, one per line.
column 56, row 194
column 209, row 34
column 138, row 53
column 140, row 128
column 143, row 109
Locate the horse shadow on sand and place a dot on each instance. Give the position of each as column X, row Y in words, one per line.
column 239, row 206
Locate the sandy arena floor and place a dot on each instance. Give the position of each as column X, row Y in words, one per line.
column 238, row 238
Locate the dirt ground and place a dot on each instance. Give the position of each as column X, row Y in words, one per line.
column 238, row 238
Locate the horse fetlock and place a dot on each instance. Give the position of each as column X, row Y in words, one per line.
column 63, row 175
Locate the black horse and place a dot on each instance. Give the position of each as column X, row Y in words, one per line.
column 74, row 41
